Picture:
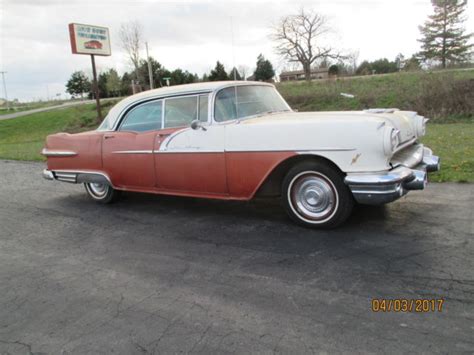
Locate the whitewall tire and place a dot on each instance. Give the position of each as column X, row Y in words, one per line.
column 102, row 193
column 314, row 195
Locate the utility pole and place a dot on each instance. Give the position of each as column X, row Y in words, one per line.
column 5, row 88
column 150, row 74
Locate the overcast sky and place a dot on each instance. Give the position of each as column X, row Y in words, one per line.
column 35, row 49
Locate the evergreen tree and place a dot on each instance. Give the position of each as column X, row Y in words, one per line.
column 234, row 74
column 334, row 69
column 264, row 70
column 218, row 73
column 102, row 83
column 78, row 84
column 178, row 76
column 444, row 36
column 126, row 84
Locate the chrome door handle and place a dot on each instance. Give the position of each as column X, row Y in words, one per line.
column 109, row 137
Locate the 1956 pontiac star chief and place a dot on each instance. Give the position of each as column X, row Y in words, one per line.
column 236, row 140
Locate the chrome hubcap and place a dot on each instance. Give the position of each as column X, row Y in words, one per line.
column 313, row 196
column 98, row 190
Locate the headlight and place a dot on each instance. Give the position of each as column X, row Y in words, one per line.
column 420, row 125
column 391, row 140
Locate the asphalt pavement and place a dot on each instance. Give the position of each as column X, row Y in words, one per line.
column 50, row 108
column 154, row 274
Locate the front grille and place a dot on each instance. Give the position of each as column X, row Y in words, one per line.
column 409, row 156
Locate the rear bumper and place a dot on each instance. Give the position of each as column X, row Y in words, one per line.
column 77, row 177
column 387, row 186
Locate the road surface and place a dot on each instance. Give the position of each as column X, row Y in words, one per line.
column 155, row 274
column 50, row 108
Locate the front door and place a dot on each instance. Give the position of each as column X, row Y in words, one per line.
column 128, row 152
column 190, row 160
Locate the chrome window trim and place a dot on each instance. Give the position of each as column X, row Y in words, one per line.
column 211, row 92
column 57, row 153
column 131, row 105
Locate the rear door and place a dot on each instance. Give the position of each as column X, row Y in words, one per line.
column 128, row 152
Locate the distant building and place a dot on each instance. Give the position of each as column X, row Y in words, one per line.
column 321, row 73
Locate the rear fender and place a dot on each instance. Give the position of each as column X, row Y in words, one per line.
column 82, row 151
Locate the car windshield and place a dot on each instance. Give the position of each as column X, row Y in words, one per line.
column 245, row 101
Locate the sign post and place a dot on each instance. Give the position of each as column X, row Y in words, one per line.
column 92, row 40
column 96, row 88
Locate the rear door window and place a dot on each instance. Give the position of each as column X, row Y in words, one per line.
column 143, row 118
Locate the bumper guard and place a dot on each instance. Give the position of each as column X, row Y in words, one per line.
column 387, row 186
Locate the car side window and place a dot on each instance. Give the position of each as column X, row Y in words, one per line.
column 143, row 118
column 203, row 108
column 180, row 111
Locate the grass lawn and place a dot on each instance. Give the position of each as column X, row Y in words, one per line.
column 443, row 96
column 454, row 143
column 23, row 138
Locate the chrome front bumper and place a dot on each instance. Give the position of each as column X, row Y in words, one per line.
column 387, row 186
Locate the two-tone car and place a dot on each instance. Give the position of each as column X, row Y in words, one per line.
column 236, row 140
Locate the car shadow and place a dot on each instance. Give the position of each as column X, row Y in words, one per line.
column 370, row 241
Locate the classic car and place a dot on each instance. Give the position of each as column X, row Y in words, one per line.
column 235, row 140
column 93, row 45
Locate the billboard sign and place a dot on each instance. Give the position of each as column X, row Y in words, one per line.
column 88, row 39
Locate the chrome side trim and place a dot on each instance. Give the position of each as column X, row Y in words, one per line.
column 327, row 149
column 189, row 151
column 133, row 152
column 196, row 150
column 58, row 153
column 77, row 176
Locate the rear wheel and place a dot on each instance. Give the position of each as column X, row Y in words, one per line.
column 314, row 195
column 102, row 193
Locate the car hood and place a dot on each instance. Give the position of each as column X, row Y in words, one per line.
column 400, row 120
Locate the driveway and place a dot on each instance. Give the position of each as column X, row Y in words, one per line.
column 154, row 274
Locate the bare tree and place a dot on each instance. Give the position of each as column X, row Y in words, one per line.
column 244, row 71
column 300, row 37
column 131, row 40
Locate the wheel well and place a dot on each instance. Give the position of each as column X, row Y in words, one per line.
column 272, row 184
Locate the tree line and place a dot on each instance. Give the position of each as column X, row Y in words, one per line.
column 111, row 84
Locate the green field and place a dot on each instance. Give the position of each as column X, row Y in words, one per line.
column 23, row 138
column 444, row 96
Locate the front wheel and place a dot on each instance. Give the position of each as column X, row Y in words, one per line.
column 102, row 193
column 314, row 195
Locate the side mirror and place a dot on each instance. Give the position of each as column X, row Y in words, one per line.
column 196, row 124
